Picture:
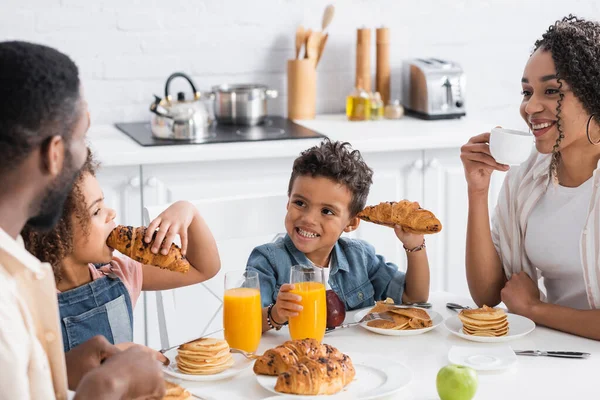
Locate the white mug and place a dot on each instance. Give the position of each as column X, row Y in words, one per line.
column 510, row 147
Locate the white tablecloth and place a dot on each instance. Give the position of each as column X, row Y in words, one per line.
column 531, row 378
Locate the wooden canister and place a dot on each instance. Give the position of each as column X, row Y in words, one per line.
column 301, row 89
column 363, row 59
column 382, row 77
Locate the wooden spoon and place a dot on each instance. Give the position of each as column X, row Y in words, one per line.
column 327, row 16
column 312, row 47
column 321, row 47
column 300, row 39
column 307, row 34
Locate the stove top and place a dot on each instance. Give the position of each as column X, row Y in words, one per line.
column 274, row 128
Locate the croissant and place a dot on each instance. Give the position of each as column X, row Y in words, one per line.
column 405, row 213
column 316, row 376
column 130, row 242
column 279, row 359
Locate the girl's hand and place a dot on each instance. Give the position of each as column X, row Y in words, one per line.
column 173, row 221
column 286, row 305
column 479, row 163
column 158, row 355
column 409, row 240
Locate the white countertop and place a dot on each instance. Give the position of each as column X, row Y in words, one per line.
column 424, row 355
column 114, row 148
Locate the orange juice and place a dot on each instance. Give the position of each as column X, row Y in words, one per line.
column 242, row 318
column 311, row 321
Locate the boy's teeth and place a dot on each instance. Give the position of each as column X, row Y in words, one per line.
column 307, row 234
column 541, row 126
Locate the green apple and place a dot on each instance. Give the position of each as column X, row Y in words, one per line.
column 456, row 382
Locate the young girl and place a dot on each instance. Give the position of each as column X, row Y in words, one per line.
column 99, row 301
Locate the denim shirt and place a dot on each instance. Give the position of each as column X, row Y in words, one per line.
column 358, row 275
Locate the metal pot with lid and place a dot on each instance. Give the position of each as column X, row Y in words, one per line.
column 185, row 118
column 241, row 104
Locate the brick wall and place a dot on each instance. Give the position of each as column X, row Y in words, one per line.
column 127, row 48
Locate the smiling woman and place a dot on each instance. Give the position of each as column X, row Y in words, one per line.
column 547, row 222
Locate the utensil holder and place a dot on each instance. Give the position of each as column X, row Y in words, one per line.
column 301, row 89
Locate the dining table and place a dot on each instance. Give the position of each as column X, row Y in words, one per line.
column 423, row 355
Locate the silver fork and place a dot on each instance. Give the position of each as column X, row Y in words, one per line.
column 366, row 318
column 249, row 356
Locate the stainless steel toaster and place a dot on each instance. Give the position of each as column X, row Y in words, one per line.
column 433, row 88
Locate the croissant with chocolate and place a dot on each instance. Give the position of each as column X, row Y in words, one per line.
column 279, row 359
column 405, row 213
column 316, row 376
column 130, row 242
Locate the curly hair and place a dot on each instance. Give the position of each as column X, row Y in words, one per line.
column 336, row 161
column 574, row 44
column 55, row 245
column 39, row 94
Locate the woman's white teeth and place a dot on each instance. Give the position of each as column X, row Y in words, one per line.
column 542, row 126
column 307, row 234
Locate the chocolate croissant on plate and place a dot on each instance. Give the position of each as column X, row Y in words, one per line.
column 316, row 376
column 281, row 358
column 130, row 242
column 405, row 213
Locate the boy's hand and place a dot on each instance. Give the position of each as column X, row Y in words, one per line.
column 286, row 305
column 173, row 221
column 409, row 240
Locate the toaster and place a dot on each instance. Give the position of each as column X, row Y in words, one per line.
column 433, row 88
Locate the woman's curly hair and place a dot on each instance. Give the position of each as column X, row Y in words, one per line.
column 338, row 162
column 55, row 245
column 574, row 44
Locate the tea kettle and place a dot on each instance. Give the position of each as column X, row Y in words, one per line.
column 181, row 119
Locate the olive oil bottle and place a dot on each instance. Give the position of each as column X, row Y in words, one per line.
column 358, row 105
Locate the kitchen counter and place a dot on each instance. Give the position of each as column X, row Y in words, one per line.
column 114, row 148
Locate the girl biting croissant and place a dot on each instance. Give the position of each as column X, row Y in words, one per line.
column 100, row 301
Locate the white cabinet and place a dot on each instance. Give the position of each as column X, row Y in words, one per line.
column 122, row 192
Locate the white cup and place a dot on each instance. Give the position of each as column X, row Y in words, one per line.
column 510, row 147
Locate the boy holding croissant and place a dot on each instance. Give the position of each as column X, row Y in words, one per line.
column 99, row 301
column 328, row 188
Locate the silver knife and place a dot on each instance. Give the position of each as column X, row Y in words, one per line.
column 190, row 341
column 561, row 354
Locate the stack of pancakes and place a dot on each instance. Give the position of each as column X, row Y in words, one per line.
column 206, row 356
column 403, row 318
column 485, row 321
column 175, row 392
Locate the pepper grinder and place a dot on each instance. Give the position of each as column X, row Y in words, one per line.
column 363, row 59
column 382, row 79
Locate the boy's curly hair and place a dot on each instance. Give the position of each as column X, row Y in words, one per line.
column 55, row 245
column 574, row 44
column 338, row 162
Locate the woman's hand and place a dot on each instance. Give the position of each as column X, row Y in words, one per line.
column 158, row 355
column 409, row 240
column 286, row 305
column 174, row 221
column 479, row 163
column 520, row 294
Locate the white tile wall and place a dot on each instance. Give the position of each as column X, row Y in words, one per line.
column 127, row 48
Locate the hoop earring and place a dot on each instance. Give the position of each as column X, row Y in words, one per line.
column 587, row 132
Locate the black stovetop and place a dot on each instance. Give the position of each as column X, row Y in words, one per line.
column 274, row 128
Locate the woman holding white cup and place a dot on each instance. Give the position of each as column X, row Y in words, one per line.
column 547, row 221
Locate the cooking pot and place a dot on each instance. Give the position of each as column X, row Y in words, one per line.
column 185, row 118
column 241, row 104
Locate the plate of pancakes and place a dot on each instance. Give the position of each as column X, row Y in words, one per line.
column 206, row 359
column 488, row 325
column 406, row 321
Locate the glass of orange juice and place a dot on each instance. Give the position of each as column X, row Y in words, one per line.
column 309, row 283
column 242, row 310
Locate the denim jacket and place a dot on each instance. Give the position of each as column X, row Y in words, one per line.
column 358, row 275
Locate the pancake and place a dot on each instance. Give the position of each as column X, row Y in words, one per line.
column 206, row 356
column 175, row 392
column 484, row 321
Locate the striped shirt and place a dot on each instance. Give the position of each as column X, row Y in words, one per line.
column 522, row 189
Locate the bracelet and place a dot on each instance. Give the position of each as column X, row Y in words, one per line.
column 271, row 321
column 418, row 248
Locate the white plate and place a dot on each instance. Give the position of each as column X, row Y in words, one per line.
column 240, row 363
column 483, row 358
column 376, row 377
column 518, row 326
column 436, row 319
